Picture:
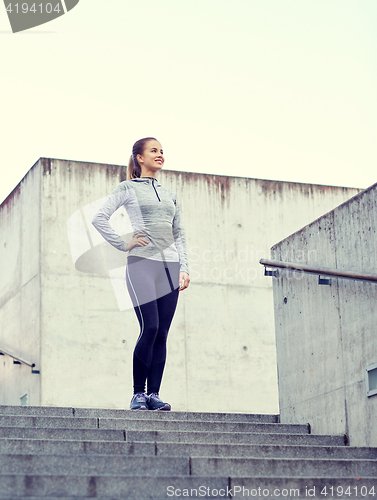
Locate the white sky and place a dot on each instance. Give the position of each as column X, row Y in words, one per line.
column 272, row 89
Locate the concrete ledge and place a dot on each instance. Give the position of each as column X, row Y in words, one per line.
column 93, row 464
column 56, row 433
column 233, row 438
column 157, row 423
column 264, row 451
column 269, row 467
column 41, row 411
column 196, row 466
column 53, row 411
column 36, row 487
column 48, row 422
column 186, row 425
column 74, row 447
column 101, row 486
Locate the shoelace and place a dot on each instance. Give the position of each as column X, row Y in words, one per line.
column 154, row 395
column 139, row 398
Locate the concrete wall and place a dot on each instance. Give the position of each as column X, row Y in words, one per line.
column 221, row 344
column 326, row 335
column 20, row 290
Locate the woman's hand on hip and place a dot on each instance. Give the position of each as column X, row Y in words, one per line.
column 184, row 281
column 137, row 241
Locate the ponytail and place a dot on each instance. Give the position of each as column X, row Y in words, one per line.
column 133, row 171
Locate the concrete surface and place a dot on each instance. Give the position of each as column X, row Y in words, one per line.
column 326, row 335
column 78, row 467
column 221, row 347
column 20, row 290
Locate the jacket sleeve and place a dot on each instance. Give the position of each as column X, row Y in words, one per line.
column 179, row 235
column 100, row 221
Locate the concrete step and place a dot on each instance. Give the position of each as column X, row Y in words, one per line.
column 76, row 447
column 136, row 448
column 33, row 487
column 67, row 453
column 282, row 467
column 170, row 436
column 233, row 438
column 50, row 411
column 146, row 424
column 195, row 466
column 48, row 422
column 59, row 433
column 264, row 451
column 113, row 465
column 190, row 425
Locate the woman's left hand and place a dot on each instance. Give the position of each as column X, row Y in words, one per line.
column 184, row 281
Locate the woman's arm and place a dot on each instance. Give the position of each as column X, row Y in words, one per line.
column 100, row 221
column 179, row 235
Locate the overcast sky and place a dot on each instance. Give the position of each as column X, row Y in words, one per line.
column 272, row 89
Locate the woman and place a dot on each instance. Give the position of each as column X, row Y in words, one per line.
column 157, row 267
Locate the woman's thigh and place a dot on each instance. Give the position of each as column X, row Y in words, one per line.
column 141, row 277
column 149, row 279
column 167, row 279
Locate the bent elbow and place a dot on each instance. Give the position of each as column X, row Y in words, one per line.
column 95, row 220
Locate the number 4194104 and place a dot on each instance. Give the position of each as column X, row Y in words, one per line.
column 355, row 491
column 24, row 8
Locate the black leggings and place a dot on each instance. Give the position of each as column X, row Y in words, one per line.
column 153, row 289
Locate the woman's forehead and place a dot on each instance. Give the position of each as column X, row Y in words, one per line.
column 153, row 144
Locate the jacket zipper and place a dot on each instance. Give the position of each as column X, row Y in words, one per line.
column 162, row 253
column 155, row 190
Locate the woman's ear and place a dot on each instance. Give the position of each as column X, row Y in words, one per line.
column 139, row 159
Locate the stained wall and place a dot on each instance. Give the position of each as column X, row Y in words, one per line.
column 326, row 334
column 221, row 346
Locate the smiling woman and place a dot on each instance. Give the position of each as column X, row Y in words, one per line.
column 157, row 267
column 146, row 153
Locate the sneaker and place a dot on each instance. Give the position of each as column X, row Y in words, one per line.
column 154, row 403
column 139, row 401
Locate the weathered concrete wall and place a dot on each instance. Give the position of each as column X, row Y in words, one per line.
column 20, row 290
column 326, row 335
column 85, row 361
column 221, row 344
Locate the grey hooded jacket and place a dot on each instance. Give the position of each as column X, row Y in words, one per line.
column 154, row 211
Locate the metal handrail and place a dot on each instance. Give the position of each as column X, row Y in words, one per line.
column 19, row 359
column 323, row 271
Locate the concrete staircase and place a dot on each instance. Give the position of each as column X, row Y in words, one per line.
column 51, row 453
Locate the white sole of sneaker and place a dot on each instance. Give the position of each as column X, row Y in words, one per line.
column 166, row 407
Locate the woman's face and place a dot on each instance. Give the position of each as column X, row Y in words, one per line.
column 152, row 158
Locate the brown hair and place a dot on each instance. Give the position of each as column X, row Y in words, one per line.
column 134, row 169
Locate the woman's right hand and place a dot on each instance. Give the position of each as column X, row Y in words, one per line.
column 137, row 241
